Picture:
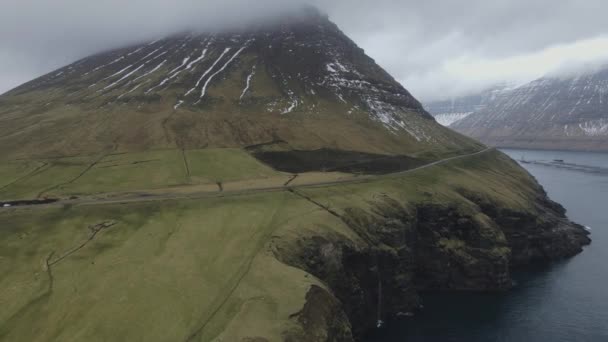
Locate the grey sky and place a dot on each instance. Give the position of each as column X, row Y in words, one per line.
column 436, row 48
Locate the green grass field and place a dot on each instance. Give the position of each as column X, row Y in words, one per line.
column 199, row 270
column 127, row 172
column 12, row 171
column 224, row 165
column 53, row 174
column 132, row 171
column 164, row 272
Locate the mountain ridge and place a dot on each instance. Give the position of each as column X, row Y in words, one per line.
column 448, row 111
column 280, row 81
column 552, row 112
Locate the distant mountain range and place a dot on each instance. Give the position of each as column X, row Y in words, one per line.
column 568, row 113
column 448, row 111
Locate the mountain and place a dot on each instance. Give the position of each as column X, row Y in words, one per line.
column 448, row 111
column 267, row 184
column 305, row 83
column 569, row 113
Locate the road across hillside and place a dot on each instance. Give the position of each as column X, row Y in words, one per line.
column 148, row 197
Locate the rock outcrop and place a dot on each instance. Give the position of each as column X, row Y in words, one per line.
column 404, row 249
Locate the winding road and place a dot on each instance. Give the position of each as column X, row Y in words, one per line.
column 150, row 197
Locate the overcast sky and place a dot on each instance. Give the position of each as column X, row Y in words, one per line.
column 435, row 48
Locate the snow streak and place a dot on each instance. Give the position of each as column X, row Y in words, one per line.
column 151, row 71
column 595, row 128
column 105, row 65
column 226, row 50
column 154, row 42
column 179, row 67
column 124, row 77
column 134, row 52
column 293, row 106
column 119, row 72
column 151, row 53
column 175, row 72
column 447, row 119
column 248, row 83
column 204, row 90
column 133, row 89
column 203, row 54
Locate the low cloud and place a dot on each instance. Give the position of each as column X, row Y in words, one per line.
column 435, row 48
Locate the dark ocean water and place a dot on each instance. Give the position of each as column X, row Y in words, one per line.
column 567, row 301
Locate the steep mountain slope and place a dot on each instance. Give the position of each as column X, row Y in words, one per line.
column 553, row 113
column 300, row 81
column 273, row 184
column 448, row 111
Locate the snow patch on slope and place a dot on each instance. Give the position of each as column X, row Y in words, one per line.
column 151, row 71
column 344, row 79
column 204, row 90
column 226, row 50
column 446, row 119
column 132, row 89
column 248, row 84
column 594, row 128
column 124, row 77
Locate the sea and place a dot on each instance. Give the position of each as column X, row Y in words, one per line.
column 566, row 301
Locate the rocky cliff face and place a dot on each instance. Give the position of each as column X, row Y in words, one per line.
column 554, row 113
column 402, row 249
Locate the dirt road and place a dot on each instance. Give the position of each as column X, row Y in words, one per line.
column 149, row 197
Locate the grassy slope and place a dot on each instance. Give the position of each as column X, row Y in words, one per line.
column 128, row 172
column 132, row 171
column 56, row 122
column 163, row 272
column 493, row 174
column 200, row 268
column 222, row 165
column 52, row 174
column 11, row 172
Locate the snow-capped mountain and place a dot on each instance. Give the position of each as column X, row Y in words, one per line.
column 448, row 111
column 299, row 80
column 551, row 112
